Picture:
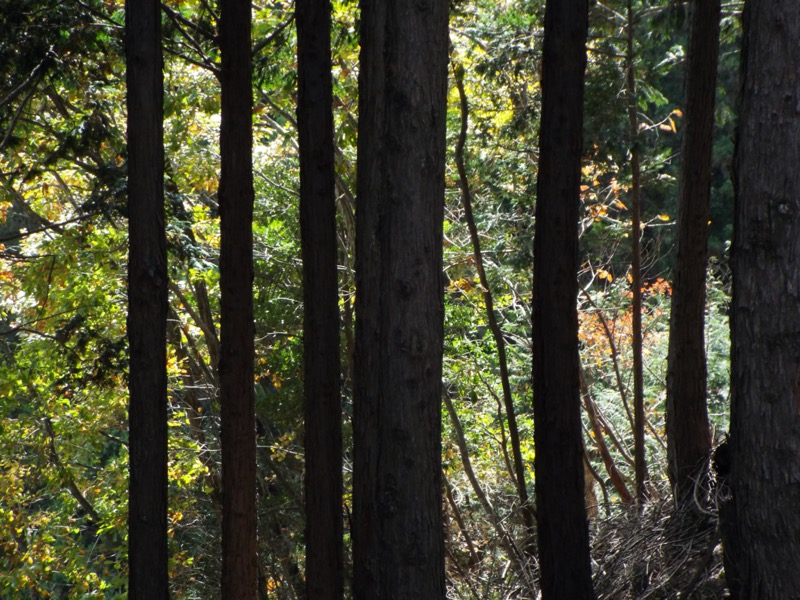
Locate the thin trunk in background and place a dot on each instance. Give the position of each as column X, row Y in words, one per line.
column 566, row 572
column 526, row 507
column 238, row 438
column 398, row 537
column 640, row 458
column 688, row 433
column 147, row 305
column 323, row 413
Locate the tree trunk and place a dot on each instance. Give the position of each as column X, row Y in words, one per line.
column 238, row 439
column 765, row 361
column 323, row 413
column 639, row 455
column 518, row 473
column 398, row 540
column 147, row 305
column 561, row 512
column 688, row 434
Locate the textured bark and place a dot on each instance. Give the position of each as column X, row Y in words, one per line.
column 147, row 305
column 398, row 541
column 765, row 410
column 238, row 439
column 561, row 511
column 688, row 434
column 323, row 413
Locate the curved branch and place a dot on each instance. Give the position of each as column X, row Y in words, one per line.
column 513, row 552
column 528, row 512
column 66, row 476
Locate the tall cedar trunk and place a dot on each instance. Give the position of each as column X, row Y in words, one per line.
column 398, row 542
column 561, row 512
column 765, row 409
column 239, row 558
column 640, row 459
column 323, row 432
column 147, row 304
column 688, row 436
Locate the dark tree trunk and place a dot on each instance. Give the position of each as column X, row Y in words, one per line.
column 561, row 511
column 398, row 542
column 765, row 361
column 239, row 552
column 323, row 413
column 147, row 304
column 688, row 435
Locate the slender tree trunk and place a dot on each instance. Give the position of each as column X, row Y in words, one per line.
column 688, row 434
column 640, row 458
column 561, row 512
column 239, row 552
column 398, row 539
column 765, row 361
column 147, row 305
column 323, row 413
column 526, row 508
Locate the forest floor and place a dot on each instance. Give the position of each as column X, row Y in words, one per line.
column 658, row 554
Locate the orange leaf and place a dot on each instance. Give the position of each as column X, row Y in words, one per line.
column 603, row 274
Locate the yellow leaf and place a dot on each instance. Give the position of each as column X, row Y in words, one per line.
column 664, row 217
column 677, row 112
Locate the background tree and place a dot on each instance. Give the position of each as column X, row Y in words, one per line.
column 561, row 511
column 398, row 541
column 765, row 439
column 637, row 351
column 147, row 305
column 688, row 432
column 323, row 412
column 236, row 363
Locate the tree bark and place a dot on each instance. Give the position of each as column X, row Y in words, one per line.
column 147, row 305
column 561, row 511
column 398, row 539
column 688, row 433
column 765, row 361
column 323, row 413
column 238, row 438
